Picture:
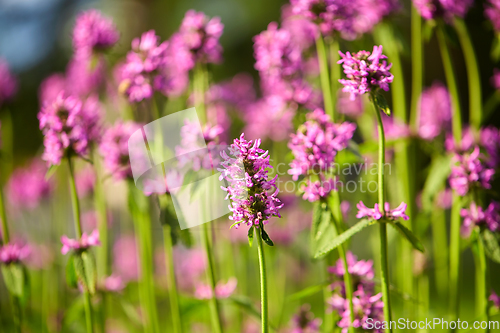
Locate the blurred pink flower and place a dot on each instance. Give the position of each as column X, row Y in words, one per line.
column 114, row 283
column 93, row 32
column 352, row 108
column 83, row 243
column 376, row 214
column 85, row 181
column 125, row 258
column 304, row 321
column 41, row 256
column 222, row 290
column 14, row 252
column 495, row 299
column 8, row 83
column 434, row 111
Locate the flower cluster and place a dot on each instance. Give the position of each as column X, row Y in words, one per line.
column 469, row 171
column 304, row 321
column 27, row 187
column 114, row 149
column 279, row 62
column 433, row 9
column 434, row 111
column 492, row 12
column 350, row 19
column 140, row 75
column 475, row 215
column 376, row 214
column 81, row 244
column 365, row 72
column 93, row 32
column 314, row 147
column 8, row 83
column 254, row 197
column 365, row 304
column 69, row 126
column 14, row 253
column 222, row 290
column 200, row 36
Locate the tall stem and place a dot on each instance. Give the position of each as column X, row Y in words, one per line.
column 482, row 288
column 440, row 251
column 416, row 65
column 384, row 262
column 214, row 306
column 3, row 216
column 324, row 77
column 334, row 71
column 474, row 82
column 172, row 285
column 263, row 285
column 89, row 320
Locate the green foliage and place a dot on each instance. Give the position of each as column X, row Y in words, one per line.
column 491, row 245
column 250, row 236
column 16, row 279
column 415, row 242
column 265, row 237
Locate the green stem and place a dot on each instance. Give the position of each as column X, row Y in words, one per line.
column 454, row 278
column 384, row 262
column 324, row 77
column 214, row 306
column 78, row 229
column 263, row 285
column 474, row 82
column 16, row 309
column 452, row 85
column 3, row 216
column 199, row 81
column 482, row 288
column 334, row 70
column 172, row 286
column 416, row 65
column 440, row 251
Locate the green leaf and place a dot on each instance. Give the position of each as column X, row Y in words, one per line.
column 80, row 271
column 382, row 104
column 439, row 171
column 340, row 239
column 246, row 304
column 265, row 237
column 50, row 172
column 71, row 278
column 323, row 229
column 491, row 245
column 90, row 271
column 309, row 291
column 15, row 279
column 428, row 30
column 250, row 236
column 409, row 236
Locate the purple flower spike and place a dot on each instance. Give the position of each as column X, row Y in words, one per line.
column 434, row 111
column 93, row 32
column 81, row 244
column 365, row 73
column 254, row 197
column 470, row 171
column 304, row 321
column 8, row 83
column 376, row 214
column 14, row 253
column 476, row 215
column 492, row 12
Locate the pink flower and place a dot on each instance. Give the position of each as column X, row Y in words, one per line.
column 82, row 244
column 469, row 171
column 315, row 190
column 495, row 299
column 85, row 181
column 394, row 128
column 475, row 215
column 114, row 283
column 222, row 290
column 434, row 111
column 14, row 253
column 125, row 255
column 93, row 32
column 27, row 187
column 8, row 83
column 431, row 9
column 304, row 321
column 365, row 73
column 495, row 79
column 353, row 108
column 376, row 214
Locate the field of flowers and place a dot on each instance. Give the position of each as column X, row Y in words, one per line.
column 360, row 193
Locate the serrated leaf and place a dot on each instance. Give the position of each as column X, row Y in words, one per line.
column 71, row 278
column 14, row 278
column 340, row 239
column 438, row 173
column 90, row 271
column 265, row 237
column 382, row 104
column 323, row 230
column 250, row 236
column 80, row 271
column 491, row 245
column 415, row 242
column 50, row 172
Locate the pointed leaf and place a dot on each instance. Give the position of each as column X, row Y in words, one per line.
column 250, row 236
column 71, row 278
column 90, row 271
column 337, row 241
column 50, row 172
column 382, row 104
column 80, row 271
column 491, row 245
column 14, row 277
column 323, row 230
column 409, row 236
column 265, row 237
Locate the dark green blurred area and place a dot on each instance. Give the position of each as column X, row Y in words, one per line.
column 243, row 19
